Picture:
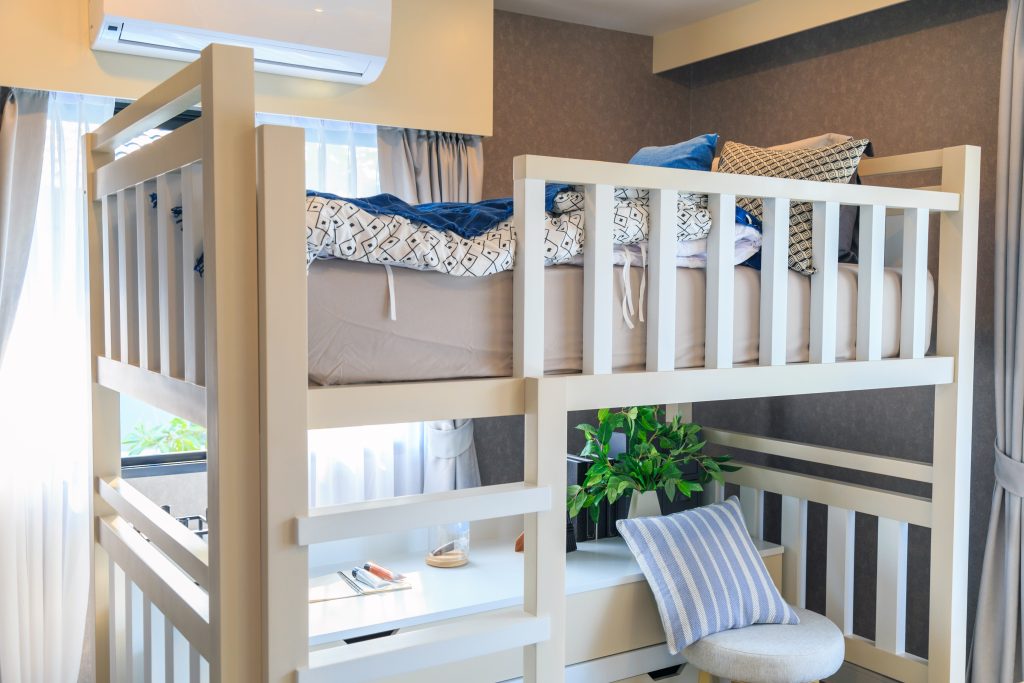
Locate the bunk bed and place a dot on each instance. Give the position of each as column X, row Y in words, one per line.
column 231, row 351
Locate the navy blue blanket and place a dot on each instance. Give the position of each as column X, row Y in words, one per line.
column 464, row 219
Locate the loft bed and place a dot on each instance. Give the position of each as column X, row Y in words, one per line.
column 230, row 351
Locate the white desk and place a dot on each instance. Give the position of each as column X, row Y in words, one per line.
column 492, row 580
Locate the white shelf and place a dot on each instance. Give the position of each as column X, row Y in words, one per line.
column 492, row 580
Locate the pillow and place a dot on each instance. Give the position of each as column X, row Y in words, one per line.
column 705, row 572
column 815, row 142
column 695, row 154
column 849, row 216
column 834, row 163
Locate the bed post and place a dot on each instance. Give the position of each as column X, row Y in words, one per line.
column 284, row 369
column 232, row 376
column 106, row 416
column 544, row 557
column 951, row 451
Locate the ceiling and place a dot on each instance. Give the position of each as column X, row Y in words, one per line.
column 646, row 17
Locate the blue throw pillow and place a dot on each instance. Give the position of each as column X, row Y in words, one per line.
column 705, row 572
column 695, row 154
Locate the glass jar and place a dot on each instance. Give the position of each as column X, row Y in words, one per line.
column 448, row 545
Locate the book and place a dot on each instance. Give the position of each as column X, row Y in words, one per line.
column 340, row 585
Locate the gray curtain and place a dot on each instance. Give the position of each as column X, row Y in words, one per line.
column 997, row 641
column 22, row 139
column 423, row 166
column 449, row 456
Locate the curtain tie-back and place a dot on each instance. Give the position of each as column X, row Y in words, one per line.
column 449, row 443
column 1009, row 473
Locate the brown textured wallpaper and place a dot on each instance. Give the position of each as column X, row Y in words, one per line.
column 918, row 76
column 569, row 90
column 921, row 75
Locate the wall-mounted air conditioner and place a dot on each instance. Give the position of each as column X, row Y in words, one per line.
column 333, row 40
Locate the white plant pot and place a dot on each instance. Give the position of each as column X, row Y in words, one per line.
column 644, row 504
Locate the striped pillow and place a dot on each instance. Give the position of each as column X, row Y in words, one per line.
column 705, row 572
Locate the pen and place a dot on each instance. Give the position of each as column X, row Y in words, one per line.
column 446, row 548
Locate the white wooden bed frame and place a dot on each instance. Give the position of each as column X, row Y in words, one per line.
column 232, row 355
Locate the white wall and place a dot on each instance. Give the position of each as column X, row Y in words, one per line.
column 438, row 76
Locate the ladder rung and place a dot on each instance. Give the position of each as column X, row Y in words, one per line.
column 389, row 515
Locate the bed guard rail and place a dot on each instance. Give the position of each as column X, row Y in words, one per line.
column 599, row 180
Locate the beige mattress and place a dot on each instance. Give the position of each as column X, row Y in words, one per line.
column 450, row 327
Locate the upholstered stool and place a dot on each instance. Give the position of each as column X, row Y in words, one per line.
column 771, row 653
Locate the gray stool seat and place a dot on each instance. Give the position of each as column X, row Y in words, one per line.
column 772, row 653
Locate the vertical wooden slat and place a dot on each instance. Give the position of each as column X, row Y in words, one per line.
column 289, row 478
column 661, row 290
column 839, row 568
column 720, row 281
column 544, row 558
column 774, row 281
column 232, row 372
column 951, row 440
column 171, row 297
column 752, row 504
column 794, row 559
column 891, row 594
column 913, row 336
column 148, row 288
column 869, row 282
column 119, row 641
column 151, row 651
column 715, row 492
column 106, row 406
column 824, row 281
column 111, row 282
column 528, row 280
column 598, row 210
column 128, row 278
column 192, row 230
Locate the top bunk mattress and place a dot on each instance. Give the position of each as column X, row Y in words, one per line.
column 452, row 328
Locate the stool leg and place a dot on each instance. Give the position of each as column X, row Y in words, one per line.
column 704, row 677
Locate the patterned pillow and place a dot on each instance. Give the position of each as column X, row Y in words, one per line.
column 705, row 572
column 834, row 164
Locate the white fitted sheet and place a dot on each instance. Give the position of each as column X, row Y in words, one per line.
column 450, row 327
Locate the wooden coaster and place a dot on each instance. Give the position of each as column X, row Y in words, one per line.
column 448, row 560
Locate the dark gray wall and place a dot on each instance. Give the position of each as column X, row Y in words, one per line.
column 575, row 91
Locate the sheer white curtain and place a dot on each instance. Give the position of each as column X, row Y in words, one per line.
column 44, row 422
column 351, row 464
column 341, row 157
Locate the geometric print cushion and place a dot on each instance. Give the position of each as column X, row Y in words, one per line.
column 832, row 164
column 705, row 573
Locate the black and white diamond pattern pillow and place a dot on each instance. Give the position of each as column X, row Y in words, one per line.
column 833, row 164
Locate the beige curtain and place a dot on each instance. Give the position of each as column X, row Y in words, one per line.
column 22, row 137
column 997, row 653
column 421, row 166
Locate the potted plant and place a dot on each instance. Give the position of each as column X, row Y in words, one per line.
column 656, row 451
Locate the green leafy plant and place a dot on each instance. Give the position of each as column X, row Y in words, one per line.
column 656, row 450
column 175, row 436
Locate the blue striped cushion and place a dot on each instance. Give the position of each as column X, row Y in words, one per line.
column 705, row 572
